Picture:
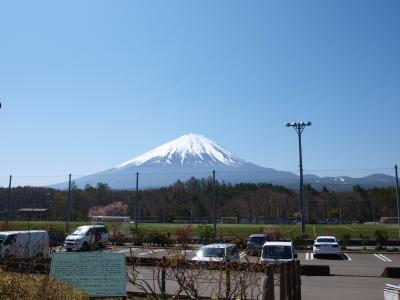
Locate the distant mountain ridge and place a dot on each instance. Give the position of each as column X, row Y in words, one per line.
column 194, row 155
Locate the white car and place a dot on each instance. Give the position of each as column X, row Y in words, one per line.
column 217, row 252
column 277, row 251
column 328, row 245
column 24, row 244
column 85, row 237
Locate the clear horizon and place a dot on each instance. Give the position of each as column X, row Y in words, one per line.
column 87, row 86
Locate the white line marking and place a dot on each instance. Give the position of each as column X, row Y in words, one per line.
column 242, row 254
column 311, row 256
column 150, row 252
column 388, row 259
column 379, row 257
column 348, row 256
column 307, row 254
column 383, row 258
column 349, row 228
column 125, row 250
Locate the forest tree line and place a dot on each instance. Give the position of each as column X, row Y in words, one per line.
column 192, row 200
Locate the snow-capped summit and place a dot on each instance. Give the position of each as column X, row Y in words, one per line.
column 193, row 149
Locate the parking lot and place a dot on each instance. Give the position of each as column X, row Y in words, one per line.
column 355, row 275
column 347, row 264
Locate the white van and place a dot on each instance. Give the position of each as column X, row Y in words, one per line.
column 24, row 244
column 277, row 251
column 85, row 237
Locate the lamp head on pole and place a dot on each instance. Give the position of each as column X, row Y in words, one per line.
column 298, row 124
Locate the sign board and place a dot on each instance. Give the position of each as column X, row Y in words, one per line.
column 98, row 274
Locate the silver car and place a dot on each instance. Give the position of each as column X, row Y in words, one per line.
column 217, row 252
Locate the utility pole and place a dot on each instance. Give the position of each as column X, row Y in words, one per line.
column 137, row 201
column 8, row 202
column 398, row 200
column 69, row 203
column 213, row 205
column 299, row 127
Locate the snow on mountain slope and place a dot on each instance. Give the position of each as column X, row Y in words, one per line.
column 193, row 149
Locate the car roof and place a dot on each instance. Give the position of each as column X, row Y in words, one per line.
column 326, row 237
column 258, row 235
column 91, row 226
column 219, row 245
column 278, row 243
column 22, row 231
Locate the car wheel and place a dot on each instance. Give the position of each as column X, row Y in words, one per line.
column 69, row 249
column 85, row 247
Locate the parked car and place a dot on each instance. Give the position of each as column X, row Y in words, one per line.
column 277, row 251
column 85, row 237
column 332, row 221
column 24, row 244
column 328, row 245
column 255, row 243
column 54, row 239
column 217, row 252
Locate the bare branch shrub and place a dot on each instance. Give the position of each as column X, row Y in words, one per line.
column 195, row 279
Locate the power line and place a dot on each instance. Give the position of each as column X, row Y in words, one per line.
column 196, row 173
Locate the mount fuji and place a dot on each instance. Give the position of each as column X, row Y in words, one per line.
column 194, row 155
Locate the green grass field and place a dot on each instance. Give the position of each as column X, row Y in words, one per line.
column 229, row 230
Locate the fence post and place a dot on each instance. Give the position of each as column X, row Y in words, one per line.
column 289, row 280
column 293, row 280
column 268, row 284
column 283, row 282
column 298, row 280
column 163, row 292
column 228, row 280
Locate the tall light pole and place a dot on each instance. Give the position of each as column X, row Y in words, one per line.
column 398, row 198
column 299, row 127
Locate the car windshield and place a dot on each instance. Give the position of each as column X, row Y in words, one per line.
column 212, row 252
column 277, row 252
column 79, row 231
column 326, row 240
column 257, row 239
column 2, row 238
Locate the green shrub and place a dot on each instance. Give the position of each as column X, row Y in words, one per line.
column 381, row 237
column 206, row 233
column 138, row 237
column 60, row 231
column 158, row 238
column 364, row 240
column 344, row 241
column 300, row 241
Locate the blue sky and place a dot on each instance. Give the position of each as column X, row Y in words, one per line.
column 86, row 85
